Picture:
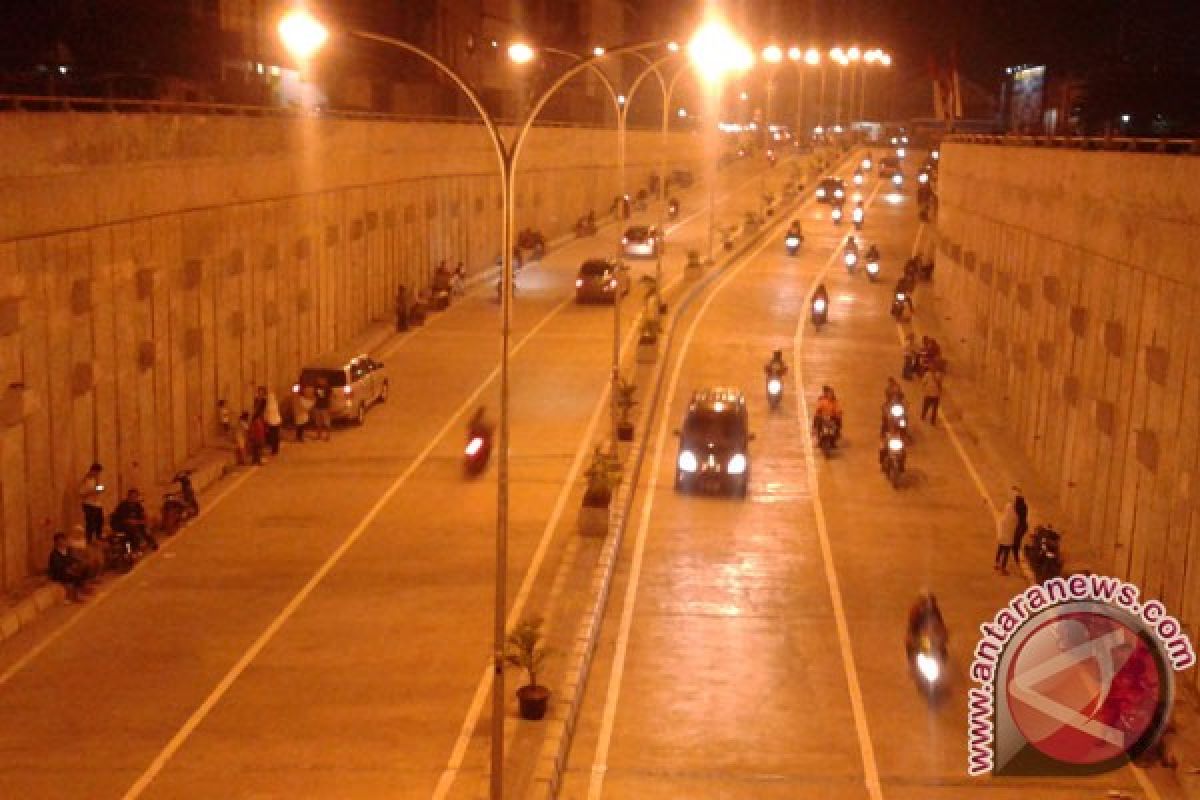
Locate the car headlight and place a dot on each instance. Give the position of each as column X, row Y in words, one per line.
column 737, row 465
column 612, row 284
column 838, row 193
column 687, row 461
column 624, row 240
column 774, row 386
column 895, row 444
column 820, row 192
column 578, row 283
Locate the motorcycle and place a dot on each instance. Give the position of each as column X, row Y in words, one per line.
column 873, row 269
column 672, row 210
column 119, row 553
column 1044, row 553
column 899, row 416
column 927, row 658
column 826, row 435
column 836, row 215
column 820, row 311
column 792, row 243
column 858, row 215
column 850, row 257
column 181, row 506
column 774, row 389
column 893, row 460
column 476, row 453
column 898, row 304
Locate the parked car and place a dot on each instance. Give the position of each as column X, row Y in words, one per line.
column 356, row 383
column 640, row 241
column 713, row 443
column 601, row 280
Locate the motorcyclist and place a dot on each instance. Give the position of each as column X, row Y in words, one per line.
column 129, row 518
column 892, row 394
column 672, row 206
column 873, row 253
column 479, row 424
column 795, row 229
column 775, row 368
column 851, row 245
column 912, row 357
column 925, row 618
column 828, row 408
column 822, row 293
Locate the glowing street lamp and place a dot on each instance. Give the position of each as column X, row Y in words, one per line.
column 795, row 54
column 716, row 52
column 772, row 54
column 302, row 33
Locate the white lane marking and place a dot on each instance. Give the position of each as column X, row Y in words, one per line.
column 482, row 690
column 858, row 706
column 1139, row 774
column 214, row 697
column 91, row 605
column 613, row 693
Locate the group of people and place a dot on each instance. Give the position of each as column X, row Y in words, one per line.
column 73, row 570
column 258, row 430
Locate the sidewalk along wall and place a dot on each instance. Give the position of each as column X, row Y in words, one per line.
column 152, row 265
column 1069, row 278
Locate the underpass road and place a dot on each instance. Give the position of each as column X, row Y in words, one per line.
column 719, row 672
column 289, row 643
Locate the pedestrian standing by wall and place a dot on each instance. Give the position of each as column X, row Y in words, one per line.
column 1006, row 524
column 321, row 401
column 257, row 438
column 931, row 386
column 91, row 492
column 260, row 402
column 274, row 422
column 301, row 408
column 1021, row 509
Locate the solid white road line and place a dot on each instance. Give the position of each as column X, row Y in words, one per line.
column 858, row 707
column 613, row 693
column 214, row 697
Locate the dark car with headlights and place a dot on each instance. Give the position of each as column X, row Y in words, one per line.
column 831, row 190
column 601, row 280
column 713, row 443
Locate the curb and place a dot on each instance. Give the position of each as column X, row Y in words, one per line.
column 552, row 758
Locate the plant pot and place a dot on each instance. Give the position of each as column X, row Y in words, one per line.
column 593, row 520
column 647, row 352
column 625, row 432
column 532, row 701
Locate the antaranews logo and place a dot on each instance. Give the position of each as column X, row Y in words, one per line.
column 1076, row 677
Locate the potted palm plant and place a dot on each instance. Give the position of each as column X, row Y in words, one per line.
column 524, row 650
column 603, row 475
column 625, row 404
column 647, row 352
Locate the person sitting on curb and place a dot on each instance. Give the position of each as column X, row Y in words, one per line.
column 66, row 568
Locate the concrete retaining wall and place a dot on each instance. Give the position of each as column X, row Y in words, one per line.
column 152, row 265
column 1071, row 283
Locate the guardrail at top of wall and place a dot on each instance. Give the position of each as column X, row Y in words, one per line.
column 1119, row 143
column 117, row 105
